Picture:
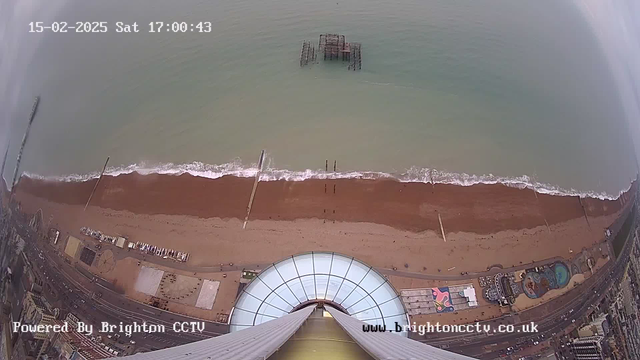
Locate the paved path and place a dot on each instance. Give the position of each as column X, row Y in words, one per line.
column 120, row 254
column 469, row 276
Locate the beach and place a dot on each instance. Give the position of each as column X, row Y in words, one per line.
column 480, row 209
column 382, row 222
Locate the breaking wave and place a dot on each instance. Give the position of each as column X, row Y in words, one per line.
column 420, row 175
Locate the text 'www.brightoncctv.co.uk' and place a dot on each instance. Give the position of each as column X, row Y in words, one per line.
column 428, row 327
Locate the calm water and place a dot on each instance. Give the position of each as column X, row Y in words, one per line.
column 484, row 87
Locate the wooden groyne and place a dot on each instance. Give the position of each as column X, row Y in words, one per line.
column 96, row 185
column 34, row 108
column 255, row 187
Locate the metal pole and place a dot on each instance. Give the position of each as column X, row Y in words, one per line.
column 4, row 161
column 34, row 108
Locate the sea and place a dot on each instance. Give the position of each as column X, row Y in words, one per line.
column 465, row 92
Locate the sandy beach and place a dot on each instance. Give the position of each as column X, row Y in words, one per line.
column 384, row 223
column 480, row 209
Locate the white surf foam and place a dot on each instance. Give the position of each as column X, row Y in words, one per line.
column 420, row 175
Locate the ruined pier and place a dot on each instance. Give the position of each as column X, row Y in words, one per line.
column 307, row 54
column 332, row 47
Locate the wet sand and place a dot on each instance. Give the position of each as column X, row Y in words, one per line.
column 479, row 209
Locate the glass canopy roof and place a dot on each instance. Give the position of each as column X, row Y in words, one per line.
column 356, row 287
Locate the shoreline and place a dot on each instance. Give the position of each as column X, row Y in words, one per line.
column 411, row 175
column 416, row 207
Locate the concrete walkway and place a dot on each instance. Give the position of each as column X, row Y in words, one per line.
column 494, row 269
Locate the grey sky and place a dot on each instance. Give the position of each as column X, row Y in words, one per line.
column 16, row 50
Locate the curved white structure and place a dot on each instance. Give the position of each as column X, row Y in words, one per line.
column 344, row 282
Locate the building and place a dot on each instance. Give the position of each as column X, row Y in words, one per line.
column 313, row 306
column 439, row 299
column 76, row 346
column 470, row 294
column 72, row 320
column 35, row 312
column 587, row 348
column 36, row 223
column 599, row 326
column 501, row 288
column 36, row 220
